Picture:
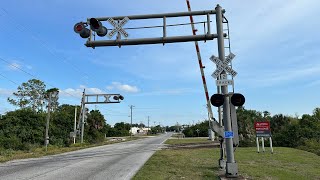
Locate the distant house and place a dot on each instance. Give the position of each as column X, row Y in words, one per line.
column 137, row 130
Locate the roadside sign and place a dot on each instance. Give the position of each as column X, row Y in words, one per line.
column 118, row 27
column 223, row 65
column 262, row 129
column 228, row 134
column 73, row 134
column 224, row 82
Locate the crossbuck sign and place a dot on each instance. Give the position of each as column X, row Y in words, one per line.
column 223, row 65
column 118, row 27
column 107, row 98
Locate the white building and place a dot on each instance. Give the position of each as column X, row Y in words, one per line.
column 137, row 130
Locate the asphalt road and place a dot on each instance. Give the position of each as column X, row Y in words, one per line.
column 116, row 161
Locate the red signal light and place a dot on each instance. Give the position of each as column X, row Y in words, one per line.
column 79, row 27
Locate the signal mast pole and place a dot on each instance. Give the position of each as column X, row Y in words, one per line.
column 231, row 165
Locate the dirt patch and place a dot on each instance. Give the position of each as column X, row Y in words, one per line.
column 191, row 145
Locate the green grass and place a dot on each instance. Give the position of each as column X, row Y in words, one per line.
column 177, row 135
column 187, row 141
column 285, row 163
column 8, row 155
column 180, row 164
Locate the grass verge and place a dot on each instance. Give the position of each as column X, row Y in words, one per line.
column 202, row 163
column 8, row 154
column 187, row 141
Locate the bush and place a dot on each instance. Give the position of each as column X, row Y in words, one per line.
column 247, row 143
column 311, row 145
column 11, row 143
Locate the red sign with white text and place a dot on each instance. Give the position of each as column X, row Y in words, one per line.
column 262, row 128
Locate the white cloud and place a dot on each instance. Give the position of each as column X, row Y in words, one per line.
column 77, row 92
column 14, row 66
column 17, row 65
column 123, row 87
column 71, row 92
column 6, row 92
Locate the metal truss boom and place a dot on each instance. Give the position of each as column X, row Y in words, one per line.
column 154, row 16
column 158, row 40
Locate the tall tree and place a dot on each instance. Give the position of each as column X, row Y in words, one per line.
column 95, row 128
column 29, row 94
column 61, row 124
column 54, row 98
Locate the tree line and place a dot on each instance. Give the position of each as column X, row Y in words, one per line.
column 24, row 128
column 287, row 131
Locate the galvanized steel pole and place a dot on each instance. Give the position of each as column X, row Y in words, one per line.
column 231, row 166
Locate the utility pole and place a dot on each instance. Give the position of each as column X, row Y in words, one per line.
column 83, row 114
column 46, row 139
column 75, row 124
column 148, row 125
column 231, row 165
column 131, row 106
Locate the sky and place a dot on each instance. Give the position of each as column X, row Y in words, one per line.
column 275, row 43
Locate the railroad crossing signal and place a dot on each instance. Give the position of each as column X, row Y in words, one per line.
column 223, row 65
column 115, row 97
column 97, row 26
column 118, row 97
column 237, row 99
column 118, row 27
column 217, row 100
column 81, row 29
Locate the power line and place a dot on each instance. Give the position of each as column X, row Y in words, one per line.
column 23, row 28
column 17, row 67
column 9, row 79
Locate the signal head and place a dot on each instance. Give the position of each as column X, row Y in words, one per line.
column 97, row 26
column 81, row 29
column 238, row 99
column 118, row 98
column 217, row 100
